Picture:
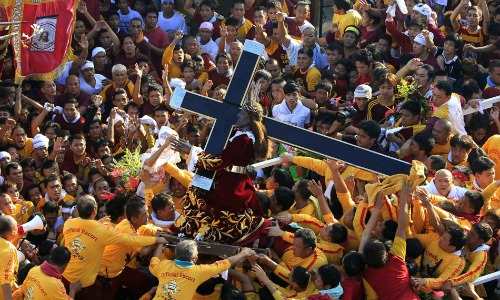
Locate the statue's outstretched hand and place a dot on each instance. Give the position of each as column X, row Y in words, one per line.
column 181, row 146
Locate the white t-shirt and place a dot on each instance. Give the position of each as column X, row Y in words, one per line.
column 125, row 19
column 211, row 48
column 300, row 116
column 172, row 24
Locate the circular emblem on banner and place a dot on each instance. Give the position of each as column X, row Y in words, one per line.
column 45, row 40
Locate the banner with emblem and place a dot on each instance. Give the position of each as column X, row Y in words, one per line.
column 48, row 25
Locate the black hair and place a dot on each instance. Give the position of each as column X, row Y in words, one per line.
column 483, row 231
column 371, row 128
column 364, row 56
column 301, row 276
column 414, row 248
column 431, row 72
column 329, row 275
column 291, row 87
column 308, row 237
column 285, row 197
column 60, row 256
column 444, row 86
column 475, row 154
column 324, row 85
column 437, row 162
column 231, row 22
column 425, row 142
column 282, row 177
column 133, row 209
column 414, row 107
column 457, row 238
column 481, row 164
column 475, row 200
column 375, row 254
column 338, row 233
column 389, row 231
column 306, row 51
column 343, row 4
column 462, row 141
column 353, row 263
column 302, row 189
column 470, row 87
column 50, row 207
column 160, row 201
column 115, row 208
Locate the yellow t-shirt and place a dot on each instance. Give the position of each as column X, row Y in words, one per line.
column 41, row 286
column 180, row 282
column 174, row 71
column 8, row 264
column 492, row 148
column 350, row 18
column 27, row 150
column 86, row 240
column 116, row 256
column 290, row 261
column 443, row 265
column 313, row 77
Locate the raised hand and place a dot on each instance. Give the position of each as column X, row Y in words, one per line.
column 315, row 188
column 334, row 165
column 139, row 70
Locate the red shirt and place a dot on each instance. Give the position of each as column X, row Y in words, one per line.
column 217, row 78
column 353, row 289
column 73, row 128
column 158, row 37
column 392, row 281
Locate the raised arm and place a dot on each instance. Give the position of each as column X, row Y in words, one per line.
column 136, row 95
column 435, row 220
column 403, row 220
column 454, row 14
column 375, row 214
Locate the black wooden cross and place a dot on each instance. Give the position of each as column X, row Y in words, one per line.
column 225, row 115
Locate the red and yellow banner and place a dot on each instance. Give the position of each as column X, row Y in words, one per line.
column 50, row 46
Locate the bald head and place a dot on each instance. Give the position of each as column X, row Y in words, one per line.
column 441, row 131
column 8, row 226
column 443, row 180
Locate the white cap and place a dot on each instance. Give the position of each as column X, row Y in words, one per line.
column 177, row 82
column 207, row 26
column 363, row 91
column 40, row 141
column 97, row 50
column 420, row 39
column 87, row 65
column 4, row 155
column 423, row 9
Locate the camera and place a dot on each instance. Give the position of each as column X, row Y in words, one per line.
column 48, row 106
column 347, row 113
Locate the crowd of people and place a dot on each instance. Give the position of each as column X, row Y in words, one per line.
column 102, row 160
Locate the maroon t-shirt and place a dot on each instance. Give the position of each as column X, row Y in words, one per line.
column 217, row 78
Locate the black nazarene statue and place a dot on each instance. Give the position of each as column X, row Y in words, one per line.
column 230, row 212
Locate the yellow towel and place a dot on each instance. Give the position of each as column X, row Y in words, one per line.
column 394, row 183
